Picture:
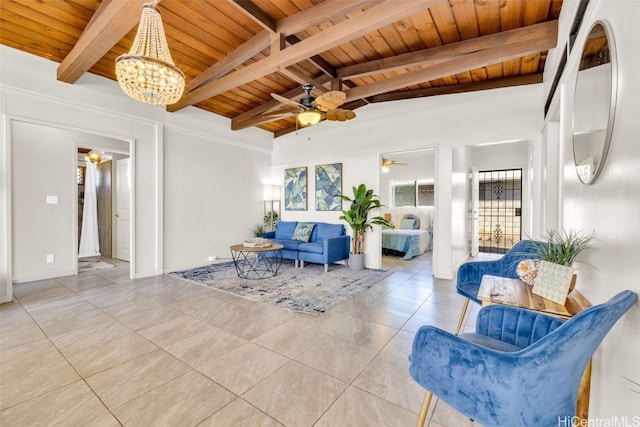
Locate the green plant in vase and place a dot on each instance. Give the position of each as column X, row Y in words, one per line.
column 357, row 216
column 562, row 247
column 258, row 231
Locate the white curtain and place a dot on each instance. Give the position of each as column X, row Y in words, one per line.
column 89, row 243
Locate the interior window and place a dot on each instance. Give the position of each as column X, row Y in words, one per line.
column 404, row 194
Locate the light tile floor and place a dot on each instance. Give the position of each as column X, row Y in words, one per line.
column 100, row 349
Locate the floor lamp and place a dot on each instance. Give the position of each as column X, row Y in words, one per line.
column 271, row 197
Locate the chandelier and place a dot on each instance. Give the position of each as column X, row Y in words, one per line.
column 147, row 73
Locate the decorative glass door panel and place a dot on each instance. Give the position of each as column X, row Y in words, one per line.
column 500, row 210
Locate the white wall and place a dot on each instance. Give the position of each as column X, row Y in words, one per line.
column 609, row 207
column 94, row 105
column 509, row 114
column 213, row 194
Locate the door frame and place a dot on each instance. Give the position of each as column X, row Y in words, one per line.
column 6, row 220
column 114, row 242
column 380, row 154
column 98, row 147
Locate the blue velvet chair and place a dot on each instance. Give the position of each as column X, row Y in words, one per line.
column 520, row 367
column 470, row 273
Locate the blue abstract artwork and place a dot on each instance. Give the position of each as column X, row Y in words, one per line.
column 329, row 187
column 295, row 189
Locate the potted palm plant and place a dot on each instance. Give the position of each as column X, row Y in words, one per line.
column 357, row 216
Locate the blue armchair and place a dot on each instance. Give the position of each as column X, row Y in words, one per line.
column 520, row 367
column 470, row 273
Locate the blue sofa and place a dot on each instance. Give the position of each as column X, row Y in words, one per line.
column 327, row 244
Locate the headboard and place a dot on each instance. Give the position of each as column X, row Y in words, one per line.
column 425, row 215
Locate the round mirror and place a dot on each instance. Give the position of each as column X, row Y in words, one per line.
column 594, row 103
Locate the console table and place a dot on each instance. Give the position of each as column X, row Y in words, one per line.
column 257, row 262
column 514, row 292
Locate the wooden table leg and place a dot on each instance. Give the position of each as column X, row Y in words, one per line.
column 582, row 409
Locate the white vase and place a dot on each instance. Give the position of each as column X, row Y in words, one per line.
column 356, row 261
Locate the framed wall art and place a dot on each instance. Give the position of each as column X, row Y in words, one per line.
column 295, row 189
column 329, row 187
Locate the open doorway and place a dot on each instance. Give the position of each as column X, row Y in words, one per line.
column 407, row 189
column 104, row 191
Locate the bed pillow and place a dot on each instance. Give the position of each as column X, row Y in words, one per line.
column 407, row 224
column 303, row 232
column 416, row 221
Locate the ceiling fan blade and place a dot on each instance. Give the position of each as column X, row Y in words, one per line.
column 286, row 101
column 331, row 100
column 282, row 112
column 387, row 162
column 340, row 115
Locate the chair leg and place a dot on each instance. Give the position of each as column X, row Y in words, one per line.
column 424, row 410
column 464, row 311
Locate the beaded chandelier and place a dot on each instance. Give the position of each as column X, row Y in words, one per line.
column 147, row 73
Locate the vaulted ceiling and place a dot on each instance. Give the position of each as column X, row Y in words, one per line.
column 235, row 53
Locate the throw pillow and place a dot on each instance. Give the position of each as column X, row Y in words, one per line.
column 416, row 221
column 407, row 224
column 527, row 270
column 303, row 232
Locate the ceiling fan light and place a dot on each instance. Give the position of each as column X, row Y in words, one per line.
column 309, row 117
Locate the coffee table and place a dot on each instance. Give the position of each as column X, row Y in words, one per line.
column 257, row 263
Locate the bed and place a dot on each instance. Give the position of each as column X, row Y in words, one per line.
column 411, row 237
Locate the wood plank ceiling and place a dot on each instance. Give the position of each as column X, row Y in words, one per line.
column 235, row 53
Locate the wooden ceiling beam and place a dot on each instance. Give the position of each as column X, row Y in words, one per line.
column 545, row 30
column 378, row 16
column 460, row 88
column 113, row 22
column 457, row 65
column 291, row 24
column 300, row 77
column 259, row 16
column 325, row 11
column 266, row 118
column 251, row 48
column 316, row 60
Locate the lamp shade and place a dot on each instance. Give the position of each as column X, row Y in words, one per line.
column 271, row 192
column 309, row 117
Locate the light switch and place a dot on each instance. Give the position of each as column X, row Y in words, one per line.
column 52, row 200
column 50, row 258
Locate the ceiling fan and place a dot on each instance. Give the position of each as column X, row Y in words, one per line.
column 386, row 163
column 312, row 109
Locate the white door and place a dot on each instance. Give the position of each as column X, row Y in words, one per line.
column 475, row 211
column 123, row 210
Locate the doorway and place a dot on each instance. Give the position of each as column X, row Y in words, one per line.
column 500, row 210
column 407, row 191
column 110, row 203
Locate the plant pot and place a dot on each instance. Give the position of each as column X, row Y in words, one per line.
column 356, row 261
column 573, row 282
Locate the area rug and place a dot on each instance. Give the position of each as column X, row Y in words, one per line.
column 93, row 264
column 308, row 289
